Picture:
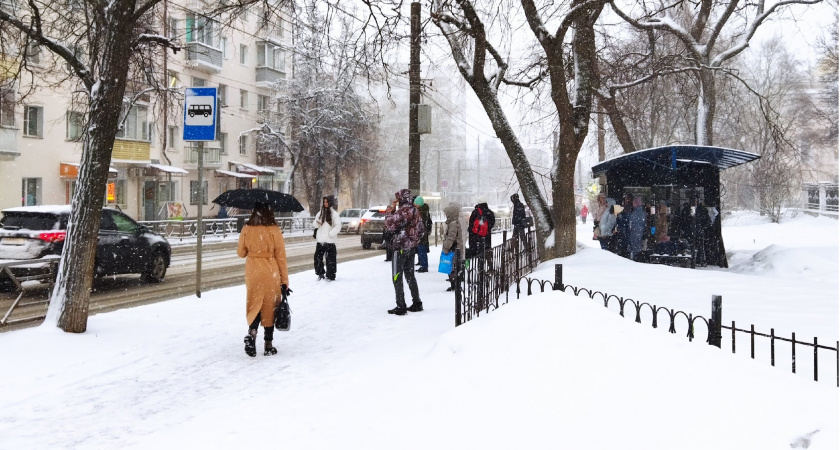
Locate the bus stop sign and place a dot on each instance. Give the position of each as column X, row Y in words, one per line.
column 200, row 114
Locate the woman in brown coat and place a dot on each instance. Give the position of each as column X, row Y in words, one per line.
column 261, row 242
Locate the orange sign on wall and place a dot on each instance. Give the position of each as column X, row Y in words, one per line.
column 112, row 192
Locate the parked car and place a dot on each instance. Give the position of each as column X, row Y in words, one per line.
column 124, row 246
column 372, row 225
column 350, row 219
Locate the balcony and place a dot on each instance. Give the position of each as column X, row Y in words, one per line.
column 212, row 158
column 127, row 150
column 203, row 57
column 266, row 76
column 8, row 144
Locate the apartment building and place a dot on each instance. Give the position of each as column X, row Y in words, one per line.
column 154, row 173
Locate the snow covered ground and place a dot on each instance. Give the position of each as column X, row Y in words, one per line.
column 547, row 371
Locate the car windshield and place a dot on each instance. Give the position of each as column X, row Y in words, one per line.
column 33, row 221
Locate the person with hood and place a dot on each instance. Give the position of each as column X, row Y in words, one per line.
column 636, row 228
column 266, row 276
column 600, row 208
column 606, row 224
column 661, row 223
column 621, row 235
column 479, row 228
column 403, row 220
column 327, row 226
column 518, row 220
column 423, row 246
column 584, row 211
column 453, row 241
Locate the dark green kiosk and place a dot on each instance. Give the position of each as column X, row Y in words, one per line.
column 687, row 179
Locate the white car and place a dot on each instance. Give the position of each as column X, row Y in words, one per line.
column 351, row 219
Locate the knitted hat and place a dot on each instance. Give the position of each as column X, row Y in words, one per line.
column 419, row 201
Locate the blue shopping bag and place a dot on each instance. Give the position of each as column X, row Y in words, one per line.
column 445, row 265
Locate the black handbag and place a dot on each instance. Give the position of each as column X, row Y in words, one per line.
column 282, row 313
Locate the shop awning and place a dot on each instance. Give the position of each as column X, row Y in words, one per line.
column 156, row 168
column 227, row 173
column 71, row 170
column 253, row 169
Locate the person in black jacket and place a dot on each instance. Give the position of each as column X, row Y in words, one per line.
column 519, row 221
column 479, row 228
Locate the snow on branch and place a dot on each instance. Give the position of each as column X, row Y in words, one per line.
column 155, row 39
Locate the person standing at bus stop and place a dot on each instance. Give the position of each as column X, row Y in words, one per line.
column 403, row 220
column 327, row 226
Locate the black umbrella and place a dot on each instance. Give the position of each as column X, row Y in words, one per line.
column 246, row 198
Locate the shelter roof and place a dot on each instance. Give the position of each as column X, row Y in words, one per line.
column 668, row 156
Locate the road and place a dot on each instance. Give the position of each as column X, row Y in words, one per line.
column 220, row 268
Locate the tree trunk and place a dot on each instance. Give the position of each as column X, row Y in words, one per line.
column 706, row 107
column 71, row 296
column 617, row 122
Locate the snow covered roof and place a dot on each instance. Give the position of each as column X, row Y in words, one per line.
column 46, row 209
column 233, row 174
column 170, row 169
column 253, row 167
column 668, row 156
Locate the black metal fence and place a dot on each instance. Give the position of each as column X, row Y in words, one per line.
column 714, row 325
column 485, row 277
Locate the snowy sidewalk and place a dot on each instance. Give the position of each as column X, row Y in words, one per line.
column 549, row 371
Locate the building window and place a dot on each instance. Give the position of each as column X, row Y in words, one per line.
column 33, row 53
column 202, row 29
column 221, row 94
column 174, row 80
column 194, row 192
column 136, row 124
column 225, row 48
column 243, row 144
column 33, row 121
column 30, row 192
column 243, row 99
column 223, row 143
column 269, row 55
column 172, row 138
column 243, row 54
column 173, row 28
column 7, row 108
column 263, row 103
column 198, row 82
column 75, row 125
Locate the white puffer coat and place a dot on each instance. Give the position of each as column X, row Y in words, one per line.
column 327, row 233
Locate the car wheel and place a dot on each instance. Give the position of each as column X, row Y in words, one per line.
column 156, row 270
column 366, row 245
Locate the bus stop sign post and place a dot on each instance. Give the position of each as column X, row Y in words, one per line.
column 200, row 126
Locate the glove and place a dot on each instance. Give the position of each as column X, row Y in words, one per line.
column 285, row 290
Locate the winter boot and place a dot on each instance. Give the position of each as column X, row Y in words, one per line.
column 399, row 310
column 251, row 343
column 269, row 349
column 416, row 306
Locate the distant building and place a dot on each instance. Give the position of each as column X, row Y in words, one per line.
column 153, row 171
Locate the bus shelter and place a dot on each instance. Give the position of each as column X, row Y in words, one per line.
column 686, row 180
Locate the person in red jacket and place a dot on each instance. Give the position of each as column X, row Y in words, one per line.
column 583, row 213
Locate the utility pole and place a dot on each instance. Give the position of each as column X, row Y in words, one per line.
column 414, row 102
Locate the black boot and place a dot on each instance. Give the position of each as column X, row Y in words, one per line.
column 269, row 349
column 399, row 310
column 251, row 343
column 416, row 306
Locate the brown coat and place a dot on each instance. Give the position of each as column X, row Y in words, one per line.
column 265, row 270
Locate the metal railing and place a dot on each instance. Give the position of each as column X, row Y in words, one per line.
column 183, row 229
column 487, row 276
column 7, row 276
column 714, row 325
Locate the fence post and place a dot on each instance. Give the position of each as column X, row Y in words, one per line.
column 716, row 321
column 456, row 268
column 558, row 277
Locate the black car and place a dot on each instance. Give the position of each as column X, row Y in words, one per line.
column 124, row 246
column 372, row 225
